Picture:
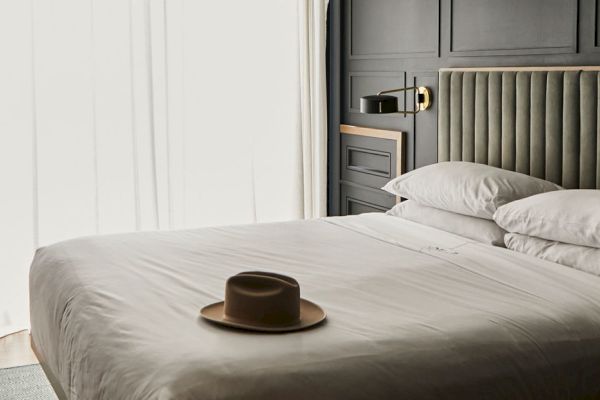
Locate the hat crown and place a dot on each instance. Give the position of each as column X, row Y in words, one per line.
column 262, row 298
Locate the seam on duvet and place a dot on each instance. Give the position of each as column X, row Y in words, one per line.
column 395, row 243
column 439, row 257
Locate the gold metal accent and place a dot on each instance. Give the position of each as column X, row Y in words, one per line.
column 422, row 98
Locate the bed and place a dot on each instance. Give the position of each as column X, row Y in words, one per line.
column 413, row 312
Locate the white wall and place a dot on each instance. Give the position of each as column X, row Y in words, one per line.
column 120, row 115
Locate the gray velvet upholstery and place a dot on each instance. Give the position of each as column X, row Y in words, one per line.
column 540, row 123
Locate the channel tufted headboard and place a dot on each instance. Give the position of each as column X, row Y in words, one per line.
column 541, row 121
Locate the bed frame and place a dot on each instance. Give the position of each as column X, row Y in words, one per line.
column 540, row 121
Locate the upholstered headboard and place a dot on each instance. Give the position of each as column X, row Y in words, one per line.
column 542, row 122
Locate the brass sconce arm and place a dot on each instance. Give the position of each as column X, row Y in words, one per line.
column 381, row 103
column 397, row 90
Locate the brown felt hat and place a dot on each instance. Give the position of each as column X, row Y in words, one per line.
column 263, row 301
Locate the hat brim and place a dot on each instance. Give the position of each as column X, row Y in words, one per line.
column 310, row 314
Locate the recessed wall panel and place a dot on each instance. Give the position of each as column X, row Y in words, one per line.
column 393, row 29
column 512, row 27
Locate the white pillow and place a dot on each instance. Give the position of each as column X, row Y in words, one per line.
column 583, row 258
column 466, row 188
column 478, row 229
column 568, row 216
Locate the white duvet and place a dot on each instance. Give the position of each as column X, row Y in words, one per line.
column 413, row 313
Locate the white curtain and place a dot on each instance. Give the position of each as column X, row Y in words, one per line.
column 123, row 115
column 312, row 35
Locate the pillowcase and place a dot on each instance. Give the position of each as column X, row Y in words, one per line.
column 466, row 188
column 583, row 258
column 568, row 216
column 478, row 229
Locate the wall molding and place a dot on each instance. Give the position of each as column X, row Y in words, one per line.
column 350, row 150
column 435, row 52
column 351, row 200
column 596, row 26
column 397, row 136
column 516, row 51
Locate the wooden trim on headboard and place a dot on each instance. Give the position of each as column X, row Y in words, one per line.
column 398, row 136
column 498, row 69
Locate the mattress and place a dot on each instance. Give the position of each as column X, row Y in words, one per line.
column 413, row 313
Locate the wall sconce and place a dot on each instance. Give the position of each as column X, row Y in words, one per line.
column 385, row 104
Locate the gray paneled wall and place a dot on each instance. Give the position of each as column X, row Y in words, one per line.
column 475, row 28
column 378, row 44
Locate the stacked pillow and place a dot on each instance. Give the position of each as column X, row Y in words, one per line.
column 478, row 229
column 462, row 197
column 562, row 226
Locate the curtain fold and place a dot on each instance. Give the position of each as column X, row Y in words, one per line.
column 126, row 115
column 312, row 35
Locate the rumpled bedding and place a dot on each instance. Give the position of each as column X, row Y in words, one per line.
column 413, row 313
